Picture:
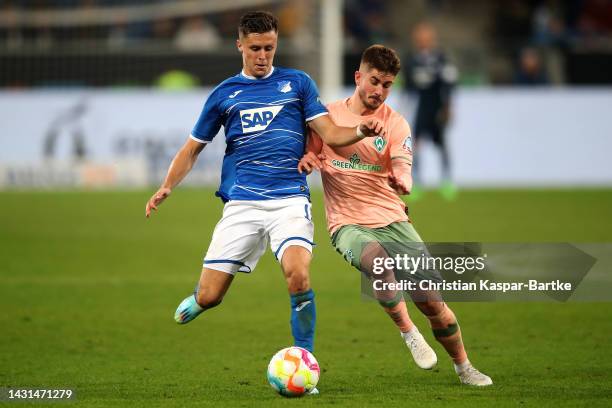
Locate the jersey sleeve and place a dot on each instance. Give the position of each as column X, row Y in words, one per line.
column 209, row 122
column 401, row 141
column 311, row 102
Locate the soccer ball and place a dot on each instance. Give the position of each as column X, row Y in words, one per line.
column 293, row 372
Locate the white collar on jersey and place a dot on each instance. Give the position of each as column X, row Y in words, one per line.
column 252, row 77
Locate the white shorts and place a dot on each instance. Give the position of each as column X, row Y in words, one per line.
column 246, row 227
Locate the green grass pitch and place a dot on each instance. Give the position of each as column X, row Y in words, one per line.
column 88, row 288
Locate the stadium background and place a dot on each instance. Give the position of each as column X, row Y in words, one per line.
column 95, row 98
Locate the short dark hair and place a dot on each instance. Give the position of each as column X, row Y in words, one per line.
column 382, row 58
column 257, row 22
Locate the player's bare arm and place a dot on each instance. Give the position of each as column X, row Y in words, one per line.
column 336, row 136
column 313, row 158
column 400, row 177
column 179, row 168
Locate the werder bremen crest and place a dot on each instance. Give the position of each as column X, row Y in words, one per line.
column 379, row 143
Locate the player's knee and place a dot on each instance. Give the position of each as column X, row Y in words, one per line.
column 295, row 263
column 208, row 300
column 296, row 273
column 299, row 283
column 297, row 280
column 372, row 260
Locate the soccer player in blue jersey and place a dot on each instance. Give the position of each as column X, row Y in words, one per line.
column 265, row 111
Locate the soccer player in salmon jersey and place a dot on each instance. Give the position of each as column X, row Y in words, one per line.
column 265, row 111
column 363, row 183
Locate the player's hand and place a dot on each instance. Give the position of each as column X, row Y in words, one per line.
column 372, row 127
column 156, row 199
column 398, row 184
column 311, row 162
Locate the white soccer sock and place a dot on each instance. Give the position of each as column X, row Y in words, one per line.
column 410, row 333
column 459, row 368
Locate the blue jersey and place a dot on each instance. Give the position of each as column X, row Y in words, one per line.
column 265, row 127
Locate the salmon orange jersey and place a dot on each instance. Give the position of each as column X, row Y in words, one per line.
column 355, row 177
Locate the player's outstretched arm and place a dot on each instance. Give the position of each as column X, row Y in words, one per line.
column 313, row 158
column 335, row 136
column 180, row 166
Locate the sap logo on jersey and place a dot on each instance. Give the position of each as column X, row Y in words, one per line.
column 254, row 120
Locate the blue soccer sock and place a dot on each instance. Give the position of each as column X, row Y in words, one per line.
column 303, row 319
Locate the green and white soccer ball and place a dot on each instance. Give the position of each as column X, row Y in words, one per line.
column 293, row 372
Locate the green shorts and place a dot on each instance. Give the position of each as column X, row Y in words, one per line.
column 398, row 238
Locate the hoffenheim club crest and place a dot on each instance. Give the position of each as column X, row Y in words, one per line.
column 284, row 86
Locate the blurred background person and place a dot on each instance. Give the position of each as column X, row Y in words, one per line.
column 530, row 70
column 431, row 77
column 197, row 34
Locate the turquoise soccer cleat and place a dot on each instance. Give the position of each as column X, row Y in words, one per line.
column 187, row 310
